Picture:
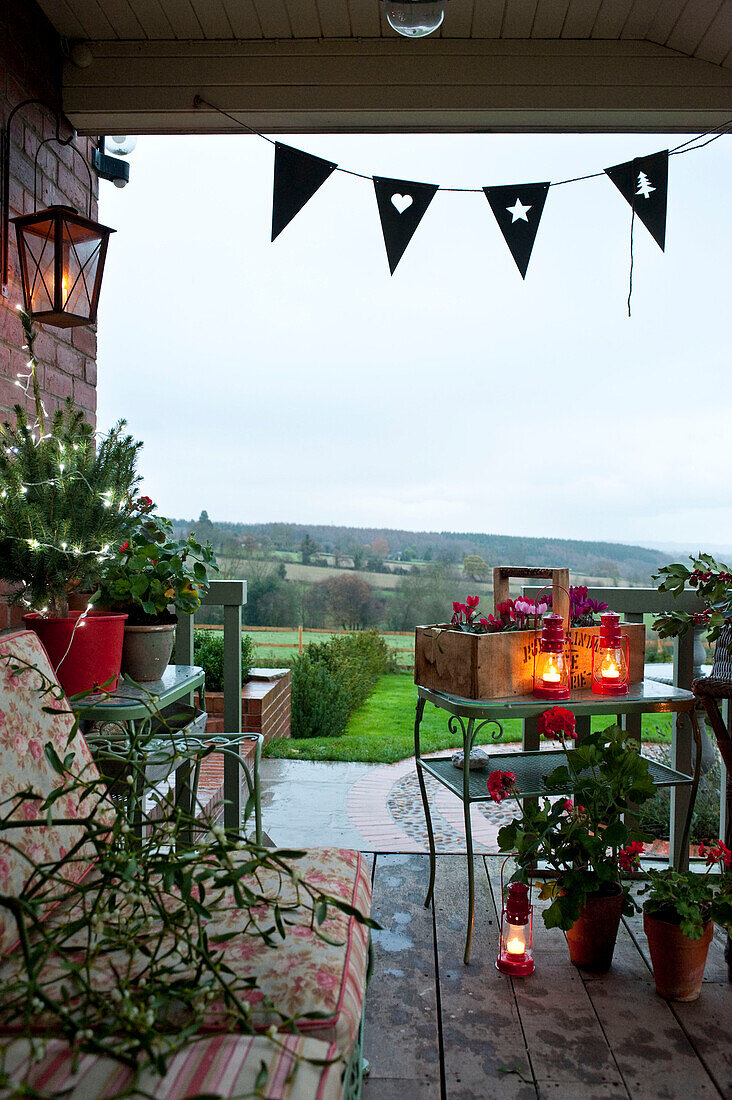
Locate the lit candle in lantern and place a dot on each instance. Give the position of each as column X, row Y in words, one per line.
column 551, row 666
column 610, row 674
column 515, row 955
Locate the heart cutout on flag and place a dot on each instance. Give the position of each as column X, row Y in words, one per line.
column 402, row 202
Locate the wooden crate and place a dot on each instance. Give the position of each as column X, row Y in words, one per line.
column 496, row 666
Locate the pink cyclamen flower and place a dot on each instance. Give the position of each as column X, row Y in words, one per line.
column 472, row 602
column 501, row 785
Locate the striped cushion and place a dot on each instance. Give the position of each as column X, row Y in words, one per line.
column 221, row 1065
column 304, row 973
column 25, row 729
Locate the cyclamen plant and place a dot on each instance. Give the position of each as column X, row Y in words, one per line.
column 584, row 839
column 523, row 613
column 583, row 611
column 519, row 614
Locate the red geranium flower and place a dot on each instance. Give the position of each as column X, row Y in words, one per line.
column 501, row 785
column 558, row 722
column 123, row 547
column 716, row 853
column 629, row 857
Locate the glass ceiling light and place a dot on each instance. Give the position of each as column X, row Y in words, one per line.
column 414, row 18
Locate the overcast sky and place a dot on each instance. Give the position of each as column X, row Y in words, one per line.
column 297, row 381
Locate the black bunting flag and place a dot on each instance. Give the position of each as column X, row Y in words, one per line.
column 643, row 182
column 297, row 176
column 401, row 207
column 518, row 211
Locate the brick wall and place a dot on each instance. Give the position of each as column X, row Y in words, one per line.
column 30, row 68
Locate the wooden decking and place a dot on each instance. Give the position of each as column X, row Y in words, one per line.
column 439, row 1030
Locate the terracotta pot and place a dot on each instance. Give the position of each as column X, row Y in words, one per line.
column 85, row 656
column 146, row 651
column 678, row 961
column 592, row 937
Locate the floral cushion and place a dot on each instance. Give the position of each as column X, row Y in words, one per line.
column 25, row 730
column 304, row 973
column 221, row 1065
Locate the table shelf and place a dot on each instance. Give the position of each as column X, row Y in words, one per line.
column 530, row 769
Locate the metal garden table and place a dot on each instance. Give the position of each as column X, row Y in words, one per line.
column 530, row 766
column 130, row 717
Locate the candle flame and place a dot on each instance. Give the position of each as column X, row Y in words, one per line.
column 516, row 946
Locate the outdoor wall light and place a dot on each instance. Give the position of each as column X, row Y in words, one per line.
column 610, row 660
column 551, row 665
column 414, row 18
column 515, row 952
column 61, row 253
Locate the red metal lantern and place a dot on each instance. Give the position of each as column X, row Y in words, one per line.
column 515, row 954
column 552, row 666
column 610, row 673
column 62, row 258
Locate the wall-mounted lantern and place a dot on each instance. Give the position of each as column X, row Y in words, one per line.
column 61, row 252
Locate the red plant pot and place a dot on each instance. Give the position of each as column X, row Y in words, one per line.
column 86, row 655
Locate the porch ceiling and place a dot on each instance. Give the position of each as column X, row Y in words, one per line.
column 335, row 65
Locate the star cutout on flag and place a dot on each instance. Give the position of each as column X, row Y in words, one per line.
column 518, row 211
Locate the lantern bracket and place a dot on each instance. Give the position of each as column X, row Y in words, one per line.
column 5, row 189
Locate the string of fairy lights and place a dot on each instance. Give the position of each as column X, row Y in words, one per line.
column 66, row 477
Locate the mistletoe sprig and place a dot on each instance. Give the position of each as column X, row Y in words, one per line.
column 128, row 966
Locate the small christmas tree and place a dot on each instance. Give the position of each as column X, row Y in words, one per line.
column 65, row 500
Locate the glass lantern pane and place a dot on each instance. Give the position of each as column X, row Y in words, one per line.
column 81, row 252
column 38, row 265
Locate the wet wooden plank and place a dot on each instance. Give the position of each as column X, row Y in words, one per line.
column 569, row 1052
column 707, row 1023
column 401, row 1034
column 484, row 1053
column 650, row 1047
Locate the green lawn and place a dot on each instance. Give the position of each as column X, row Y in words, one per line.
column 382, row 730
column 277, row 647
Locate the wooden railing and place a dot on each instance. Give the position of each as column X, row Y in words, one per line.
column 232, row 595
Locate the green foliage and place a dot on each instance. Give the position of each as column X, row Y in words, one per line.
column 319, row 705
column 208, row 654
column 330, row 680
column 147, row 909
column 66, row 504
column 653, row 816
column 152, row 570
column 581, row 839
column 475, row 567
column 713, row 583
column 681, row 897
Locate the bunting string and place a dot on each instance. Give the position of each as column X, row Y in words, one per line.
column 517, row 208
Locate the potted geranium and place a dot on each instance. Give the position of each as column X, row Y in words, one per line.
column 583, row 840
column 713, row 583
column 678, row 920
column 152, row 577
column 66, row 499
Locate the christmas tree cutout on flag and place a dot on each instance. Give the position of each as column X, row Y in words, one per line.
column 643, row 183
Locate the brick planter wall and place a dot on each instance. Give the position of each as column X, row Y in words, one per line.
column 265, row 705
